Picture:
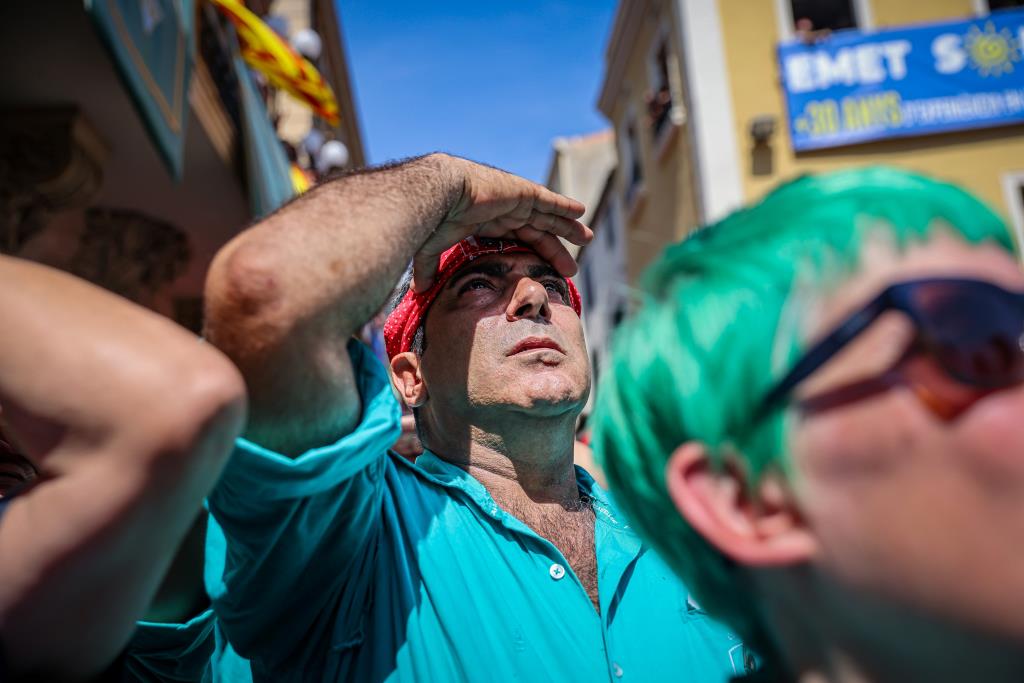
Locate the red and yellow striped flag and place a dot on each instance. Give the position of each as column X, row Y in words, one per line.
column 264, row 50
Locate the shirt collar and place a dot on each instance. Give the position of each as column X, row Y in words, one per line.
column 617, row 546
column 447, row 474
column 452, row 476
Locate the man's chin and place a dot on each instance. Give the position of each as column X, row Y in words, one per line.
column 549, row 398
column 543, row 408
column 543, row 391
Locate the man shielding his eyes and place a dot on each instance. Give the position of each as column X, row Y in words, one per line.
column 491, row 557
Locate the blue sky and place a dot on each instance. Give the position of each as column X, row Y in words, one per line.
column 492, row 80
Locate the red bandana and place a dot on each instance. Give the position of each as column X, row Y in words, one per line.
column 402, row 323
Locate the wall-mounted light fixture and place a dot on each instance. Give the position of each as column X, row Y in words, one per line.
column 762, row 128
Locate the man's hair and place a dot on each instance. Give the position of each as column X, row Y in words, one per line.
column 706, row 345
column 419, row 339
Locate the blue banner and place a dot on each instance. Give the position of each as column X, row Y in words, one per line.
column 855, row 86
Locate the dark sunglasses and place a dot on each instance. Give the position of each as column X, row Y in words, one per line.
column 967, row 345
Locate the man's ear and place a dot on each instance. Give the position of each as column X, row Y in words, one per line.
column 764, row 532
column 407, row 380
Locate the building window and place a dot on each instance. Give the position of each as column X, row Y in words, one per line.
column 994, row 5
column 610, row 227
column 822, row 15
column 618, row 316
column 588, row 289
column 631, row 162
column 659, row 97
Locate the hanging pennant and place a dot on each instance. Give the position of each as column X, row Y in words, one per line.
column 270, row 54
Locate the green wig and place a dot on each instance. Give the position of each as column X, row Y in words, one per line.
column 703, row 347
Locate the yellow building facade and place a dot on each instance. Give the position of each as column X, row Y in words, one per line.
column 732, row 141
column 977, row 159
column 654, row 181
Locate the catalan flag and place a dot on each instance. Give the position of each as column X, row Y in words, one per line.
column 267, row 52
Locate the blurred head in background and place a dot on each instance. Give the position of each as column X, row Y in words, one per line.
column 817, row 417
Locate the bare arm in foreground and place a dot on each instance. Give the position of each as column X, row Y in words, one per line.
column 128, row 420
column 284, row 296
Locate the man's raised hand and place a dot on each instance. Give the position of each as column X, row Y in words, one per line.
column 497, row 204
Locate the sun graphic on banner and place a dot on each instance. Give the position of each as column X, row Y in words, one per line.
column 992, row 53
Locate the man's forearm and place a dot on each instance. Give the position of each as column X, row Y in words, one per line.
column 332, row 256
column 284, row 296
column 78, row 363
column 129, row 420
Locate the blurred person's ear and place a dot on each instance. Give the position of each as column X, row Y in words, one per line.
column 765, row 530
column 407, row 379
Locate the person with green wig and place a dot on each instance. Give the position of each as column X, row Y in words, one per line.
column 816, row 416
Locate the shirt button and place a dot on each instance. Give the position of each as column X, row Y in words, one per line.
column 617, row 670
column 557, row 571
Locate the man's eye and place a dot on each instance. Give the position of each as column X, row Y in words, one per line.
column 477, row 283
column 557, row 287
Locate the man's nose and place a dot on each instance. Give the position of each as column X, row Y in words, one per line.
column 529, row 300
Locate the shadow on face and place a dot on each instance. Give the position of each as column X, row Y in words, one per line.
column 502, row 340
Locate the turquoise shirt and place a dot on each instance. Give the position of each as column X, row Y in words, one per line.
column 348, row 563
column 192, row 652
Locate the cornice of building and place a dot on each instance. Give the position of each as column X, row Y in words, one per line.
column 327, row 22
column 628, row 20
column 587, row 139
